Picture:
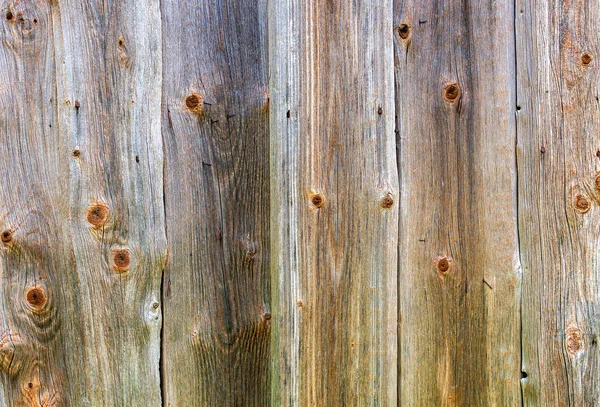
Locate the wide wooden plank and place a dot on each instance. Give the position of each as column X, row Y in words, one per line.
column 109, row 81
column 215, row 129
column 458, row 262
column 82, row 214
column 334, row 192
column 559, row 197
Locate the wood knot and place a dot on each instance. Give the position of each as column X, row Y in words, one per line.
column 36, row 298
column 387, row 201
column 404, row 31
column 586, row 59
column 266, row 316
column 97, row 214
column 299, row 304
column 597, row 181
column 194, row 103
column 121, row 259
column 9, row 16
column 76, row 153
column 451, row 92
column 574, row 340
column 317, row 200
column 7, row 236
column 443, row 264
column 582, row 204
column 379, row 111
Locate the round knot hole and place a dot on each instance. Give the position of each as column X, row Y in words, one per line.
column 317, row 200
column 451, row 92
column 97, row 214
column 7, row 236
column 122, row 259
column 404, row 31
column 194, row 103
column 36, row 297
column 586, row 59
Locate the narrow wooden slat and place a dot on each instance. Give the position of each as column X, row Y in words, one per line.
column 458, row 262
column 334, row 191
column 559, row 200
column 215, row 128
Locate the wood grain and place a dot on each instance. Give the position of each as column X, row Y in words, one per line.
column 458, row 264
column 84, row 240
column 558, row 161
column 215, row 128
column 334, row 218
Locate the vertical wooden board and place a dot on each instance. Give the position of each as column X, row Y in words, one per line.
column 40, row 337
column 215, row 129
column 459, row 269
column 108, row 57
column 334, row 188
column 559, row 196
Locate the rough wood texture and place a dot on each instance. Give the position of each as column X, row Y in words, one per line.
column 84, row 243
column 458, row 262
column 559, row 200
column 334, row 186
column 215, row 129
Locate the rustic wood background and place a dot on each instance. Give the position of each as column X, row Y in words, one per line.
column 299, row 203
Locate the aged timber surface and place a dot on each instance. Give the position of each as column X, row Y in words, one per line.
column 458, row 260
column 559, row 200
column 81, row 203
column 217, row 314
column 334, row 192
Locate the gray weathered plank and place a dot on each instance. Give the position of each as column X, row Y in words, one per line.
column 333, row 190
column 458, row 262
column 559, row 193
column 82, row 202
column 215, row 129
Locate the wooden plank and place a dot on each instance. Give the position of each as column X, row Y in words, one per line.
column 559, row 184
column 215, row 128
column 459, row 266
column 109, row 81
column 82, row 197
column 334, row 219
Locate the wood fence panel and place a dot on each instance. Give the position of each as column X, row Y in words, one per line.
column 82, row 214
column 215, row 128
column 334, row 192
column 458, row 264
column 559, row 200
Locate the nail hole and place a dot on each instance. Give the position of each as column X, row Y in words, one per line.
column 523, row 375
column 9, row 15
column 518, row 107
column 288, row 114
column 7, row 236
column 542, row 149
column 137, row 158
column 30, row 385
column 451, row 92
column 404, row 30
column 380, row 111
column 76, row 153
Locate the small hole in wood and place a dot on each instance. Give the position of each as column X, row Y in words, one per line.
column 36, row 297
column 9, row 15
column 7, row 236
column 451, row 92
column 317, row 200
column 586, row 59
column 387, row 201
column 404, row 31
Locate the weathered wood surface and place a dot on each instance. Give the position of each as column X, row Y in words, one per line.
column 206, row 203
column 559, row 192
column 458, row 263
column 334, row 188
column 215, row 128
column 82, row 206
